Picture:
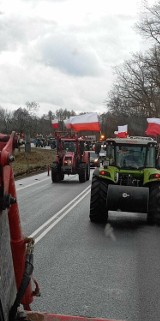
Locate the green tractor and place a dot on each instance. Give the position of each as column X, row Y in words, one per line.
column 128, row 181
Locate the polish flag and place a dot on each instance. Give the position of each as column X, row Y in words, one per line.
column 67, row 123
column 122, row 131
column 86, row 122
column 55, row 123
column 153, row 128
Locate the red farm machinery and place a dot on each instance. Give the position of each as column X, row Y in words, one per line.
column 71, row 158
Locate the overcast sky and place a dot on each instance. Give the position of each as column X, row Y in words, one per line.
column 61, row 53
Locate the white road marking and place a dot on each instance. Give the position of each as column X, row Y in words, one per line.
column 82, row 194
column 29, row 185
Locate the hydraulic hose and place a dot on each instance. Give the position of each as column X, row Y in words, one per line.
column 28, row 270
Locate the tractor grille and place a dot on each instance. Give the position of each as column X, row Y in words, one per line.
column 67, row 167
column 67, row 161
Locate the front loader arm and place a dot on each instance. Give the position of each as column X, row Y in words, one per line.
column 12, row 234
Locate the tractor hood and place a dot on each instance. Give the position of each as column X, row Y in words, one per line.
column 71, row 154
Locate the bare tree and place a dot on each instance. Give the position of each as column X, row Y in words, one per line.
column 149, row 25
column 32, row 107
column 137, row 89
column 5, row 121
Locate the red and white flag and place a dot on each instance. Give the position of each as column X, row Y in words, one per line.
column 122, row 131
column 85, row 122
column 153, row 128
column 55, row 123
column 67, row 123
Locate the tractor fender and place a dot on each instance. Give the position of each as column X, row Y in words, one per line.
column 96, row 172
column 86, row 157
column 151, row 175
column 110, row 174
column 82, row 165
column 127, row 198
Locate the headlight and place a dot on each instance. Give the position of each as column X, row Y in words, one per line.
column 68, row 162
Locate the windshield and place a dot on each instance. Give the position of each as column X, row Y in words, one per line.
column 93, row 155
column 69, row 146
column 135, row 156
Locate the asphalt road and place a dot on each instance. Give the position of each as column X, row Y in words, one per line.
column 108, row 271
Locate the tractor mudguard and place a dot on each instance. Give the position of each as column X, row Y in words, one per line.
column 82, row 165
column 86, row 157
column 151, row 175
column 128, row 198
column 96, row 172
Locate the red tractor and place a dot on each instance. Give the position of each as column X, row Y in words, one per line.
column 71, row 158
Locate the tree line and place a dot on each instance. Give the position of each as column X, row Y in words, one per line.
column 25, row 120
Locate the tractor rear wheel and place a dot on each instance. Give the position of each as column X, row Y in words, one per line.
column 98, row 206
column 154, row 204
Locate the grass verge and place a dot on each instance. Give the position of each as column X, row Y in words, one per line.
column 38, row 160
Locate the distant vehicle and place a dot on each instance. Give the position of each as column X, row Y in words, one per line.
column 40, row 141
column 51, row 142
column 94, row 159
column 71, row 157
column 102, row 156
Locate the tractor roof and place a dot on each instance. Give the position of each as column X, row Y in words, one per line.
column 135, row 140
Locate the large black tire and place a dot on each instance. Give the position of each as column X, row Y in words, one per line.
column 62, row 176
column 98, row 206
column 82, row 175
column 154, row 204
column 88, row 172
column 55, row 176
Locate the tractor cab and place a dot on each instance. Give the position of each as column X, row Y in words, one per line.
column 131, row 153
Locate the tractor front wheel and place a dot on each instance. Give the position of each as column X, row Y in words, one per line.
column 82, row 175
column 154, row 204
column 55, row 176
column 98, row 206
column 88, row 172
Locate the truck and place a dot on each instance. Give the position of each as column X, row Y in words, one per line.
column 71, row 157
column 18, row 287
column 128, row 181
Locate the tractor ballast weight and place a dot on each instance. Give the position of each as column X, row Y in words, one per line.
column 127, row 198
column 71, row 158
column 129, row 179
